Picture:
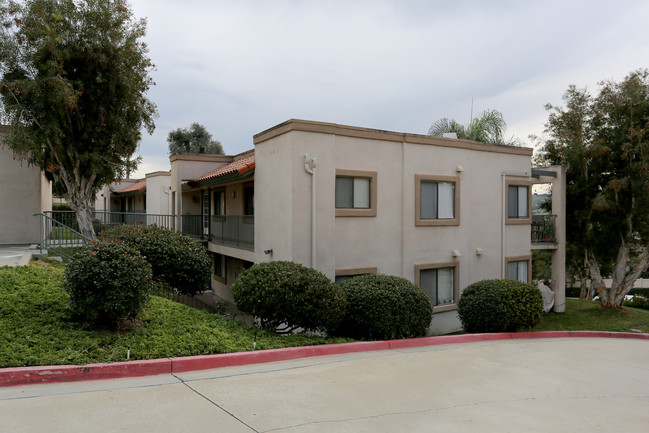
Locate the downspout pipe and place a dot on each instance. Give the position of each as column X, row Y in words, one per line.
column 309, row 166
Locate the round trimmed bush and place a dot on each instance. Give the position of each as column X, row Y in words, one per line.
column 175, row 259
column 107, row 282
column 500, row 306
column 291, row 295
column 384, row 307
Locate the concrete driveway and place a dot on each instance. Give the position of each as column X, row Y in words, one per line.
column 528, row 385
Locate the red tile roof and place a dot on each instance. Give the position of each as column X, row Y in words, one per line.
column 136, row 187
column 239, row 166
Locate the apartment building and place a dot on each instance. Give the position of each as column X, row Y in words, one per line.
column 441, row 212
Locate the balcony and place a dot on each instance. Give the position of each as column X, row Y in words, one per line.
column 231, row 230
column 543, row 229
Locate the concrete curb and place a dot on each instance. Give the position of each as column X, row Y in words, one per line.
column 74, row 373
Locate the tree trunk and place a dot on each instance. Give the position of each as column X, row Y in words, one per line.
column 623, row 278
column 84, row 215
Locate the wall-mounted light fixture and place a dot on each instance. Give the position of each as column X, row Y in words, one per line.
column 457, row 253
column 270, row 251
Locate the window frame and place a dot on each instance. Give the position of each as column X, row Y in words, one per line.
column 364, row 212
column 423, row 222
column 355, row 271
column 456, row 282
column 518, row 183
column 524, row 258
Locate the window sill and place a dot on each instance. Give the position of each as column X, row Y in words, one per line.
column 356, row 212
column 443, row 308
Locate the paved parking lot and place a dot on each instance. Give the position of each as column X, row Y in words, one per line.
column 527, row 385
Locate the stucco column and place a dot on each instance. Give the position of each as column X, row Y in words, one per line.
column 559, row 255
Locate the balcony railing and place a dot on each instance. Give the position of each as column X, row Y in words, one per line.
column 543, row 229
column 232, row 230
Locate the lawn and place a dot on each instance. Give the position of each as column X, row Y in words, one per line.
column 582, row 315
column 36, row 329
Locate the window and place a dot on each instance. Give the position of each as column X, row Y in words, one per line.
column 219, row 203
column 219, row 267
column 519, row 268
column 343, row 274
column 439, row 281
column 248, row 200
column 519, row 204
column 437, row 200
column 355, row 193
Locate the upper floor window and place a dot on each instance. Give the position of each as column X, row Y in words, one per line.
column 436, row 200
column 355, row 193
column 248, row 200
column 519, row 203
column 219, row 202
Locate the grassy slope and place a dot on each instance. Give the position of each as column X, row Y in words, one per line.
column 35, row 328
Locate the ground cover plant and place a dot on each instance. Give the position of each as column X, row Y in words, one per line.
column 36, row 327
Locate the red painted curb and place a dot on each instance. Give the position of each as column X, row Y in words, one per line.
column 74, row 373
column 204, row 362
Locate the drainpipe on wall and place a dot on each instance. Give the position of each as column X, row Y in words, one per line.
column 309, row 167
column 504, row 175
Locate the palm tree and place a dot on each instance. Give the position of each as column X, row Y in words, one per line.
column 488, row 127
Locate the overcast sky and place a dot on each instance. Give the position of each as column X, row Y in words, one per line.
column 240, row 67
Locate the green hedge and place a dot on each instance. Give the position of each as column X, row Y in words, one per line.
column 288, row 295
column 384, row 307
column 107, row 281
column 175, row 259
column 500, row 306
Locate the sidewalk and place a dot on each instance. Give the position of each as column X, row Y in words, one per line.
column 523, row 385
column 16, row 255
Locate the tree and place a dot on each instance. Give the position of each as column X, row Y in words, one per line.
column 604, row 143
column 488, row 127
column 75, row 74
column 194, row 139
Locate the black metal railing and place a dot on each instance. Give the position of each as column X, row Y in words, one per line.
column 233, row 230
column 59, row 238
column 543, row 229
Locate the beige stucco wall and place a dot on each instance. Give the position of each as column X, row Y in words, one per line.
column 24, row 191
column 390, row 240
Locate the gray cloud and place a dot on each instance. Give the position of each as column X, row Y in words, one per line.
column 241, row 67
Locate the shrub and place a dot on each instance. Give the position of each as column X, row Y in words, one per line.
column 107, row 282
column 500, row 306
column 287, row 293
column 384, row 307
column 175, row 259
column 638, row 301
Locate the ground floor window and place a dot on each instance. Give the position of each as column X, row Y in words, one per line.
column 519, row 268
column 440, row 282
column 219, row 267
